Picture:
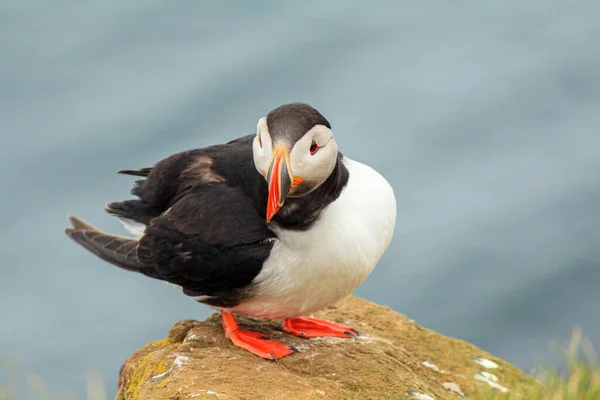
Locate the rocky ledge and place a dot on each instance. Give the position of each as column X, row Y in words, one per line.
column 394, row 358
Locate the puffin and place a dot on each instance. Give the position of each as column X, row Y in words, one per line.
column 277, row 224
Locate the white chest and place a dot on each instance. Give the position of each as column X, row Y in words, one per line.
column 310, row 270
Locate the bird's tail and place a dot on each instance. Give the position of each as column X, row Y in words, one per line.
column 117, row 250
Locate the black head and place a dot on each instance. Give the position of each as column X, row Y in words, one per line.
column 290, row 122
column 296, row 152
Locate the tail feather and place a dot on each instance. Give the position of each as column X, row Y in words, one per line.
column 136, row 172
column 117, row 250
column 135, row 210
column 81, row 224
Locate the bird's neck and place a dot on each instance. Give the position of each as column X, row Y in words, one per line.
column 302, row 212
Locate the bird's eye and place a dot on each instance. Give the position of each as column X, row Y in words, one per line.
column 314, row 147
column 260, row 141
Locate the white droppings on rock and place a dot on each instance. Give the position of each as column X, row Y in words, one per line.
column 179, row 360
column 431, row 366
column 192, row 336
column 160, row 377
column 485, row 363
column 490, row 376
column 419, row 396
column 491, row 380
column 453, row 387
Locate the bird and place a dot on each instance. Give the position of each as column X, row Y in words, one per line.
column 277, row 224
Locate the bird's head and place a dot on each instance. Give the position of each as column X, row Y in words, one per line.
column 295, row 151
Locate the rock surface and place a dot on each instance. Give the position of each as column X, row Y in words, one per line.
column 393, row 359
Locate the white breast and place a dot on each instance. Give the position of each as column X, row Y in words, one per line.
column 310, row 270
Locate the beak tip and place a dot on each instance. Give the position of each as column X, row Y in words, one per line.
column 271, row 213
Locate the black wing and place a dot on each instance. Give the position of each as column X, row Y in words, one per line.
column 212, row 242
column 205, row 216
column 171, row 178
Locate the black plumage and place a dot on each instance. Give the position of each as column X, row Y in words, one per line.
column 205, row 213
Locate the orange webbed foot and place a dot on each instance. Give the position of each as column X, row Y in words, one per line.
column 254, row 342
column 306, row 327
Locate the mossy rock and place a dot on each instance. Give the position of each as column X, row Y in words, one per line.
column 394, row 358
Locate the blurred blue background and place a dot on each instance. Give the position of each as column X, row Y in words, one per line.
column 484, row 117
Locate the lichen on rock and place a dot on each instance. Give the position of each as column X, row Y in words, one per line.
column 394, row 358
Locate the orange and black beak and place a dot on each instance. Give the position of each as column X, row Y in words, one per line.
column 280, row 179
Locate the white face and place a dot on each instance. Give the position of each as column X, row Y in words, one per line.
column 312, row 158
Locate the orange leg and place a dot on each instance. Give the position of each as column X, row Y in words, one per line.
column 254, row 342
column 306, row 327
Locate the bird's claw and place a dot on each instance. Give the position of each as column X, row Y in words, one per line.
column 352, row 333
